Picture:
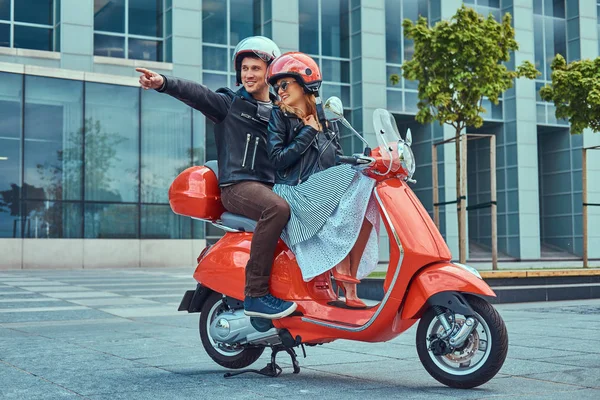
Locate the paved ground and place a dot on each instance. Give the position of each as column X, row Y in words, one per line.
column 115, row 334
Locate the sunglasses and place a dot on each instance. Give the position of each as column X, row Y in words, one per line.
column 283, row 85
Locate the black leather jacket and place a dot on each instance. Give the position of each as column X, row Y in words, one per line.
column 240, row 128
column 297, row 151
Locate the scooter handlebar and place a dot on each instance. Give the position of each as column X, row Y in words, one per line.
column 347, row 160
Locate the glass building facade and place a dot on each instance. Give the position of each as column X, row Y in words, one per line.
column 86, row 154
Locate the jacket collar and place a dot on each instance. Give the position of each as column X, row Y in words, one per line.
column 242, row 92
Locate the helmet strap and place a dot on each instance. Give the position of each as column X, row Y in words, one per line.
column 320, row 109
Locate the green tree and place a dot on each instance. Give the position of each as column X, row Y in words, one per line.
column 458, row 63
column 575, row 91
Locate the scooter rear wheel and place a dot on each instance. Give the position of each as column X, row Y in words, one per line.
column 477, row 360
column 233, row 358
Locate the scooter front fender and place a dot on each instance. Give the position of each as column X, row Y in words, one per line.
column 438, row 278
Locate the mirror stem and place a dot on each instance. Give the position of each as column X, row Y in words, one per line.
column 347, row 125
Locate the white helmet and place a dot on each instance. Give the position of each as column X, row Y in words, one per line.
column 260, row 46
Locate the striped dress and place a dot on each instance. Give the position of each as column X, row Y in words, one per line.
column 327, row 212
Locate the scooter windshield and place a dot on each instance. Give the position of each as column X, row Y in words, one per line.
column 388, row 136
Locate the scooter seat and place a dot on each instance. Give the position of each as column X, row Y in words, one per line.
column 238, row 222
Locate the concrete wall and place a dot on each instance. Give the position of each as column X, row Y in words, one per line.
column 97, row 253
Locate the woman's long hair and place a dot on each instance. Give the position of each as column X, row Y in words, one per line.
column 311, row 107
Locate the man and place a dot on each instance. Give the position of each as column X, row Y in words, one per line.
column 246, row 176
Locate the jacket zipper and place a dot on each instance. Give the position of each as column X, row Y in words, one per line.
column 300, row 173
column 254, row 155
column 246, row 151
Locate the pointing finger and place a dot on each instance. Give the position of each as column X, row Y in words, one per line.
column 146, row 72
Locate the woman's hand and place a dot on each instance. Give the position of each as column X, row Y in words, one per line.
column 312, row 121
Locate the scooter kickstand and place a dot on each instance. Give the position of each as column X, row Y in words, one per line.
column 271, row 369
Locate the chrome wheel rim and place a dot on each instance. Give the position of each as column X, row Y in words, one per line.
column 471, row 355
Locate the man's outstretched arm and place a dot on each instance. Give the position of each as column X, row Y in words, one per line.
column 214, row 105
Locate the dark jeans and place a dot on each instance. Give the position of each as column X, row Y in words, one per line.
column 257, row 201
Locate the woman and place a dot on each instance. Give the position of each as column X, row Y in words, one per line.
column 334, row 223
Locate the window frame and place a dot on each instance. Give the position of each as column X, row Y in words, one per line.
column 54, row 28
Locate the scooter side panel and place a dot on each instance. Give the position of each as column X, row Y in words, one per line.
column 420, row 243
column 223, row 269
column 439, row 278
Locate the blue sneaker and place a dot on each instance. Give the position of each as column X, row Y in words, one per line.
column 268, row 306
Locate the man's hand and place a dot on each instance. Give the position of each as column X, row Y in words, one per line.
column 311, row 120
column 150, row 79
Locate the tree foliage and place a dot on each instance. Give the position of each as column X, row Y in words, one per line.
column 575, row 91
column 458, row 63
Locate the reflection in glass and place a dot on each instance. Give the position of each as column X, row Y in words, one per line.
column 166, row 144
column 211, row 146
column 146, row 17
column 109, row 46
column 33, row 11
column 199, row 122
column 335, row 28
column 53, row 138
column 309, row 26
column 111, row 142
column 214, row 81
column 111, row 221
column 10, row 153
column 159, row 222
column 50, row 220
column 4, row 35
column 214, row 58
column 109, row 15
column 5, row 10
column 412, row 99
column 142, row 49
column 335, row 70
column 214, row 21
column 27, row 37
column 394, row 100
column 241, row 13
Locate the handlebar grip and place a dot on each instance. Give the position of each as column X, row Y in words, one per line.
column 347, row 160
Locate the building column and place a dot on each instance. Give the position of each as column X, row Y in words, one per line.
column 77, row 34
column 373, row 80
column 589, row 50
column 448, row 179
column 527, row 244
column 187, row 39
column 286, row 24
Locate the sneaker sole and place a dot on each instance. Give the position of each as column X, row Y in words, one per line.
column 282, row 314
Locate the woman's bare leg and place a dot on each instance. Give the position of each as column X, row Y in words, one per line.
column 355, row 257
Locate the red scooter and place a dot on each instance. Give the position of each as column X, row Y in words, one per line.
column 461, row 339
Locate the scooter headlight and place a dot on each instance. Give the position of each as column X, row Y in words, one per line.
column 469, row 268
column 407, row 159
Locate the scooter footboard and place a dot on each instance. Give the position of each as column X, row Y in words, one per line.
column 445, row 281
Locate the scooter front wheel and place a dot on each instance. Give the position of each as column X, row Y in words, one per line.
column 228, row 357
column 477, row 360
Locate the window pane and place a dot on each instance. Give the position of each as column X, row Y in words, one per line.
column 393, row 33
column 34, row 11
column 146, row 17
column 198, row 230
column 394, row 100
column 111, row 142
column 109, row 15
column 27, row 37
column 10, row 152
column 111, row 221
column 53, row 138
column 214, row 21
column 141, row 49
column 538, row 29
column 5, row 10
column 109, row 46
column 50, row 220
column 336, row 71
column 343, row 92
column 211, row 147
column 242, row 21
column 335, row 28
column 159, row 222
column 214, row 58
column 4, row 35
column 166, row 144
column 412, row 100
column 309, row 26
column 214, row 81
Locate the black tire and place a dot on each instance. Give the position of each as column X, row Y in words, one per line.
column 236, row 360
column 488, row 368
